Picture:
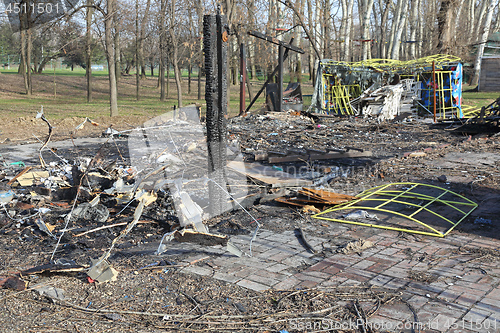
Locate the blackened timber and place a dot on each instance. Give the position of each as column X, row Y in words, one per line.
column 276, row 41
column 315, row 157
column 280, row 77
column 269, row 78
column 215, row 49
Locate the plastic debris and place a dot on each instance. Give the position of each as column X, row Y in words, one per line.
column 98, row 213
column 102, row 271
column 360, row 215
column 6, row 196
column 51, row 292
column 45, row 227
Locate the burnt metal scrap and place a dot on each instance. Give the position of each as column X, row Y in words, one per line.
column 434, row 84
column 487, row 121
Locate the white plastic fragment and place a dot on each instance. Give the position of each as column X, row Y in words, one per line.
column 360, row 215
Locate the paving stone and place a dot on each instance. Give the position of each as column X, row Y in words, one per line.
column 380, row 323
column 334, row 281
column 252, row 285
column 425, row 288
column 287, row 284
column 448, row 295
column 278, row 268
column 476, row 315
column 355, row 274
column 243, row 271
column 389, row 251
column 378, row 268
column 442, row 322
column 265, row 233
column 363, row 264
column 386, row 242
column 307, row 277
column 490, row 304
column 380, row 280
column 382, row 259
column 396, row 272
column 494, row 294
column 396, row 284
column 494, row 320
column 226, row 277
column 350, row 283
column 396, row 310
column 418, row 301
column 319, row 266
column 296, row 261
column 198, row 270
column 307, row 284
column 320, row 275
column 469, row 296
column 280, row 256
column 334, row 269
column 268, row 281
column 270, row 252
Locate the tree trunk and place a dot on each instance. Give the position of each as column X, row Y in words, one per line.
column 400, row 27
column 394, row 26
column 145, row 18
column 189, row 77
column 445, row 17
column 116, row 24
column 326, row 30
column 161, row 75
column 199, row 13
column 484, row 39
column 29, row 51
column 175, row 50
column 110, row 55
column 88, row 55
column 383, row 28
column 137, row 61
column 478, row 22
column 348, row 30
column 343, row 24
column 413, row 28
column 365, row 27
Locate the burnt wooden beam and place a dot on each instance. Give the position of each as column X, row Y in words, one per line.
column 276, row 41
column 316, row 157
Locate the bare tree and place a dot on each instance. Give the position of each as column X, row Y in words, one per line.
column 367, row 6
column 397, row 28
column 142, row 37
column 110, row 56
column 88, row 67
column 175, row 52
column 484, row 39
column 161, row 76
column 445, row 17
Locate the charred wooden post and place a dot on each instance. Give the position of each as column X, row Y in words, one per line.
column 243, row 78
column 215, row 36
column 282, row 55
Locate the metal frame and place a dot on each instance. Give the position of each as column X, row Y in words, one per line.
column 390, row 193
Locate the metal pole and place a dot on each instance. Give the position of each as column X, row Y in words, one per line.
column 243, row 75
column 280, row 78
column 434, row 87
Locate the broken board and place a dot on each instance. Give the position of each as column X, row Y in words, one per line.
column 266, row 175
